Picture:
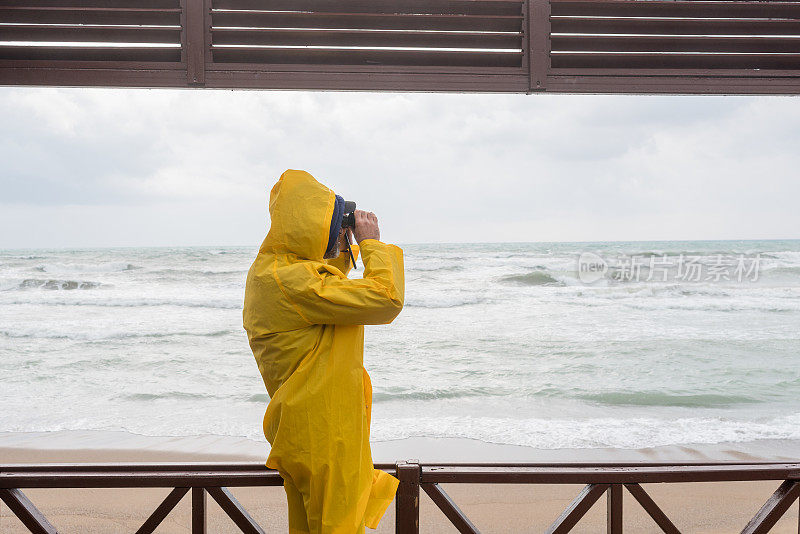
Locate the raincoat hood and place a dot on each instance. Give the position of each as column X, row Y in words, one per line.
column 300, row 209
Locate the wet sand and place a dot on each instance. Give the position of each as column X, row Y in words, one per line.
column 700, row 508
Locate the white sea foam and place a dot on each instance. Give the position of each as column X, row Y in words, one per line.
column 443, row 300
column 630, row 433
column 633, row 433
column 68, row 268
column 112, row 301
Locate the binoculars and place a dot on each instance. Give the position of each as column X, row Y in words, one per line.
column 349, row 217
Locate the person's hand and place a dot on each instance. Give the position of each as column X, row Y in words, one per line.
column 366, row 226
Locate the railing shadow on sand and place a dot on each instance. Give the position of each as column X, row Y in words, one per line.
column 214, row 479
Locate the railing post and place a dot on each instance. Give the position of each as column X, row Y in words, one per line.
column 407, row 499
column 614, row 505
column 198, row 511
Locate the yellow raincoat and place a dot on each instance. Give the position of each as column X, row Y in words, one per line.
column 304, row 320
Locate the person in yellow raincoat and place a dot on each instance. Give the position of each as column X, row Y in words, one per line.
column 304, row 320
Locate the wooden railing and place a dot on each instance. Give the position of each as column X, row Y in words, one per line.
column 214, row 479
column 523, row 46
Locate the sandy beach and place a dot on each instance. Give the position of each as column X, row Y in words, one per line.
column 702, row 508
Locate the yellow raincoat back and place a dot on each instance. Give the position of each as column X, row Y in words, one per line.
column 304, row 320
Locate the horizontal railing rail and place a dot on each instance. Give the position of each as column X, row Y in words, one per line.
column 214, row 479
column 522, row 46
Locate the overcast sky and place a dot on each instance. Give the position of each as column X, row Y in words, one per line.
column 140, row 167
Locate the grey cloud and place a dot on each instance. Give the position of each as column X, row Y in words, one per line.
column 435, row 167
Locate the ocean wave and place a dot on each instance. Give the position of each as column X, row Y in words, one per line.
column 427, row 269
column 533, row 278
column 624, row 433
column 112, row 335
column 169, row 395
column 163, row 335
column 107, row 267
column 668, row 292
column 405, row 394
column 788, row 306
column 527, row 255
column 443, row 301
column 258, row 397
column 197, row 272
column 36, row 283
column 130, row 303
column 780, row 270
column 658, row 398
column 541, row 433
column 792, row 255
column 709, row 254
column 411, row 257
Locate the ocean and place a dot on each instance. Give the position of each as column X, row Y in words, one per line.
column 548, row 345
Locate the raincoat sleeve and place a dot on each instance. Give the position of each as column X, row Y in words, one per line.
column 327, row 298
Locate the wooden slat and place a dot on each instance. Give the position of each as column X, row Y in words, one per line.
column 577, row 508
column 675, row 61
column 134, row 467
column 670, row 8
column 607, row 475
column 312, row 79
column 88, row 15
column 161, row 70
column 763, row 84
column 289, row 37
column 262, row 19
column 429, row 71
column 652, row 509
column 166, row 506
column 673, row 43
column 77, row 33
column 691, row 26
column 105, row 4
column 450, row 509
column 774, row 508
column 697, row 75
column 80, row 77
column 93, row 53
column 26, row 511
column 365, row 57
column 235, row 511
column 136, row 479
column 463, row 7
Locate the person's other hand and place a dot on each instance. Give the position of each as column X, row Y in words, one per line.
column 366, row 226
